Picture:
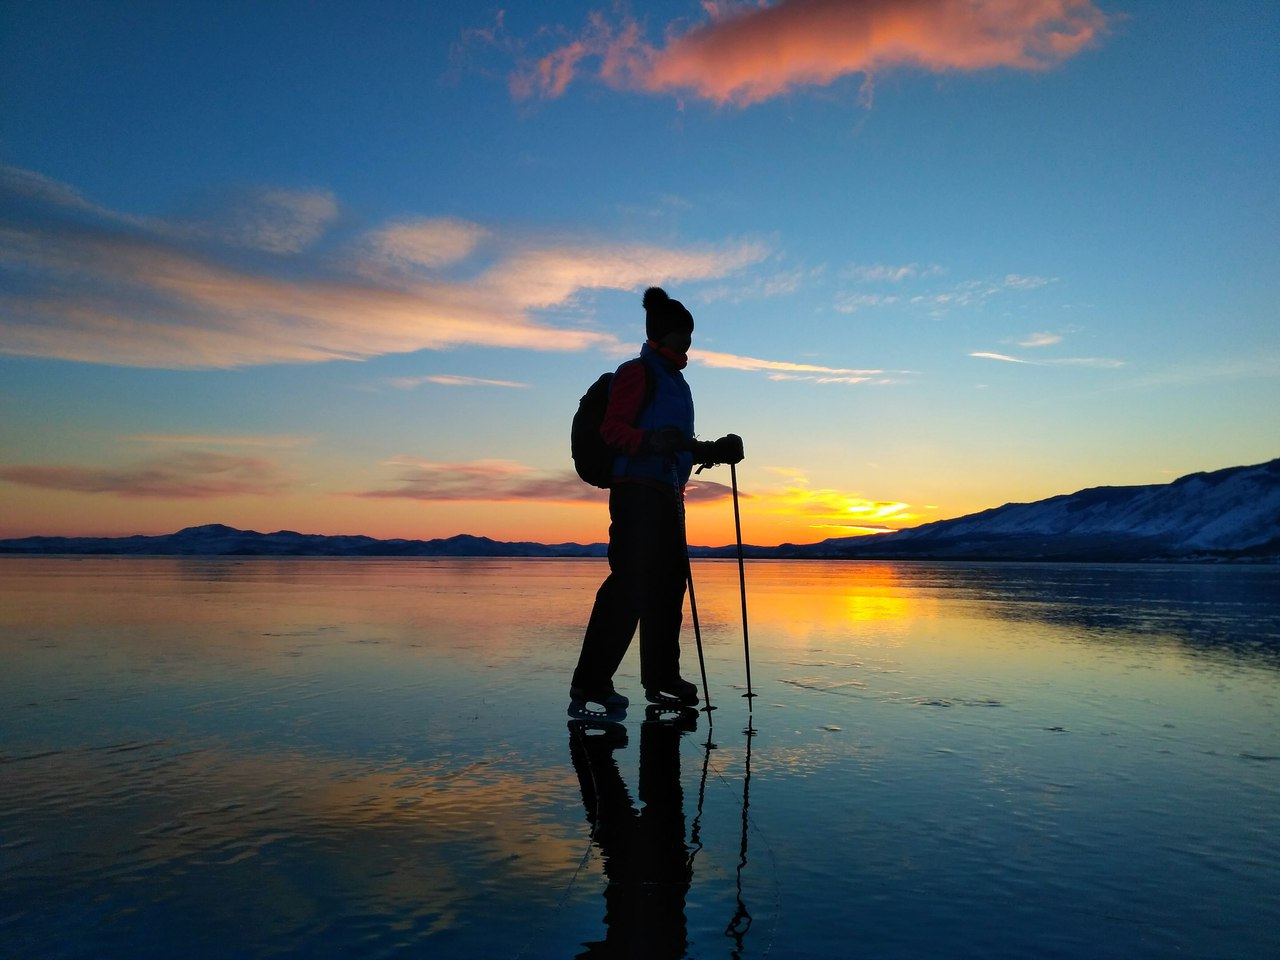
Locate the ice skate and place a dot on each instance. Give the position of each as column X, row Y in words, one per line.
column 605, row 705
column 679, row 692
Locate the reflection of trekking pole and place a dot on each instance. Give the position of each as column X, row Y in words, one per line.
column 742, row 582
column 693, row 603
column 741, row 922
column 695, row 832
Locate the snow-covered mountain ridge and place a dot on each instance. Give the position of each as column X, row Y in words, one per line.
column 1226, row 514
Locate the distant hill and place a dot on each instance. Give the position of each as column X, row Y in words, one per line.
column 217, row 540
column 1226, row 515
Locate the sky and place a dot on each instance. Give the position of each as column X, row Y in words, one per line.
column 346, row 268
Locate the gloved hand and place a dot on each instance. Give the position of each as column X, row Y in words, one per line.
column 728, row 449
column 668, row 441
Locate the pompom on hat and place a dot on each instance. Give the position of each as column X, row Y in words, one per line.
column 662, row 315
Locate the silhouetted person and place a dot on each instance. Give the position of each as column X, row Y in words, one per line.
column 646, row 859
column 649, row 421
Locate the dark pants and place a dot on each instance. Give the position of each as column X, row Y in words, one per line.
column 648, row 568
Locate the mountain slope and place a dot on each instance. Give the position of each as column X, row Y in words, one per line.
column 1227, row 514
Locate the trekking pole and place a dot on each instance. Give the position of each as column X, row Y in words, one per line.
column 693, row 603
column 697, row 633
column 742, row 582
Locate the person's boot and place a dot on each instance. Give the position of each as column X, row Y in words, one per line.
column 678, row 691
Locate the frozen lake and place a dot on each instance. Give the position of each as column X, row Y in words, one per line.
column 370, row 758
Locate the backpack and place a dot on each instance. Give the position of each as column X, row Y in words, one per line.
column 592, row 457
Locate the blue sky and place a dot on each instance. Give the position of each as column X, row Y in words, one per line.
column 346, row 268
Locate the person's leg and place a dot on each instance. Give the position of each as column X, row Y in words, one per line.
column 663, row 612
column 620, row 600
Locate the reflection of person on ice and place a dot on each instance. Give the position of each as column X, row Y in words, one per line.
column 649, row 422
column 646, row 859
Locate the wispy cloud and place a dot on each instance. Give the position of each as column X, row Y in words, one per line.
column 450, row 380
column 998, row 356
column 1261, row 365
column 431, row 243
column 745, row 53
column 220, row 440
column 1015, row 281
column 267, row 219
column 761, row 285
column 974, row 293
column 966, row 294
column 1098, row 363
column 854, row 302
column 890, row 273
column 786, row 370
column 1040, row 340
column 185, row 475
column 501, row 481
column 84, row 283
column 1101, row 363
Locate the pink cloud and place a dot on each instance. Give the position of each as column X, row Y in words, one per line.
column 505, row 481
column 453, row 380
column 747, row 53
column 187, row 475
column 481, row 480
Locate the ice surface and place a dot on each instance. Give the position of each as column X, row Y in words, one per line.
column 368, row 758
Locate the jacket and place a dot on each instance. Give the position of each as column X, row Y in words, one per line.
column 640, row 403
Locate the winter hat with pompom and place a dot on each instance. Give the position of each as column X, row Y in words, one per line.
column 662, row 315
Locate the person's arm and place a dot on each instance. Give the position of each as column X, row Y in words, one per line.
column 626, row 398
